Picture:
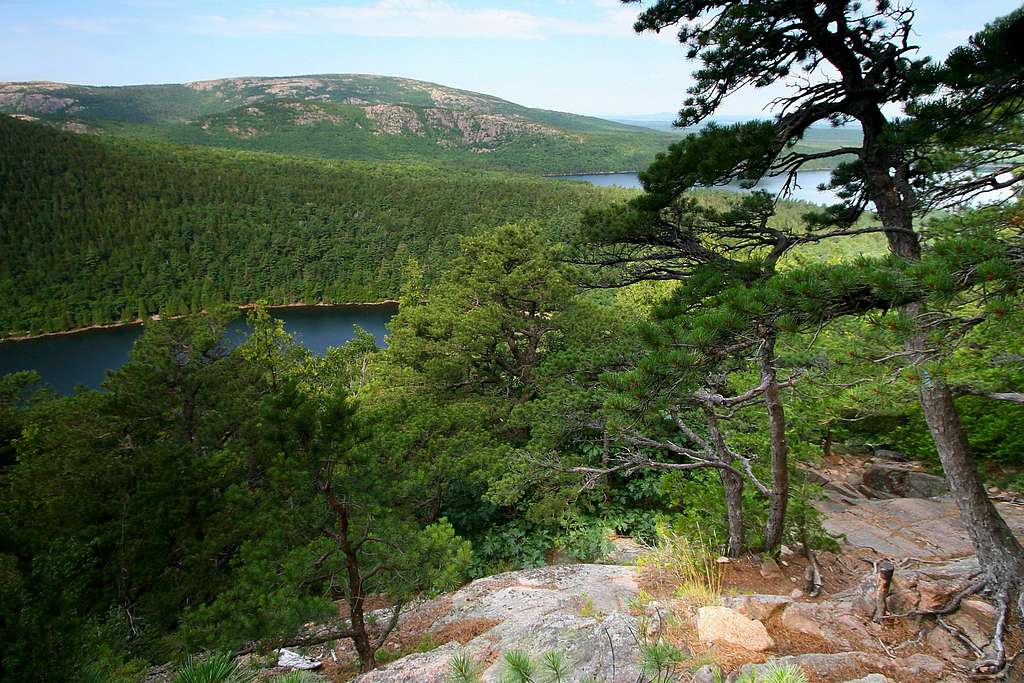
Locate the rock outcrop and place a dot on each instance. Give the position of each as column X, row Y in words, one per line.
column 903, row 481
column 846, row 666
column 581, row 610
column 590, row 613
column 928, row 529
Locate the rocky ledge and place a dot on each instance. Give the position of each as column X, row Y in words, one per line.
column 597, row 615
column 582, row 610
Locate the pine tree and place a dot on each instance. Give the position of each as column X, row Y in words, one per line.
column 964, row 124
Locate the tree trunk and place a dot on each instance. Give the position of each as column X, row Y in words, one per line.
column 733, row 485
column 360, row 638
column 778, row 499
column 355, row 589
column 356, row 604
column 999, row 552
column 732, row 482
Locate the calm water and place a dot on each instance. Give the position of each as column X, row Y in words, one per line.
column 67, row 361
column 806, row 191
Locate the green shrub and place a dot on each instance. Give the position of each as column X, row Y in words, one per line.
column 298, row 677
column 658, row 661
column 463, row 669
column 775, row 673
column 217, row 667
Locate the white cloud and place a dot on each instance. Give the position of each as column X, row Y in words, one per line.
column 101, row 26
column 420, row 19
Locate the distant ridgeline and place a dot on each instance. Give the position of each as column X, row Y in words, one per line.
column 353, row 116
column 345, row 116
column 95, row 229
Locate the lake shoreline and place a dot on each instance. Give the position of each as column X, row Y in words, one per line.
column 573, row 175
column 153, row 318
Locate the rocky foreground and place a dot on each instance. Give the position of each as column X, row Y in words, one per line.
column 599, row 615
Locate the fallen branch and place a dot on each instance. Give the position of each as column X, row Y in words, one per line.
column 325, row 634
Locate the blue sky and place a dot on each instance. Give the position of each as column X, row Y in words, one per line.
column 569, row 55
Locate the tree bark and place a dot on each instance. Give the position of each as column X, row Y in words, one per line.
column 999, row 552
column 733, row 485
column 778, row 498
column 356, row 595
column 883, row 582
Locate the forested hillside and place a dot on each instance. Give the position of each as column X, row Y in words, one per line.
column 98, row 230
column 345, row 116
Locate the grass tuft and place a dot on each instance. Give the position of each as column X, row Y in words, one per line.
column 298, row 677
column 217, row 667
column 686, row 565
column 775, row 673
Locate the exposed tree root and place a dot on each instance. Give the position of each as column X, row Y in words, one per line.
column 993, row 662
column 996, row 663
column 953, row 605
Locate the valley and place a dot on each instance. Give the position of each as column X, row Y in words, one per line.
column 135, row 228
column 352, row 378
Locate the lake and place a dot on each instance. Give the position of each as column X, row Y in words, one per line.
column 806, row 190
column 83, row 358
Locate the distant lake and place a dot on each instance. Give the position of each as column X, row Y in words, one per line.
column 806, row 190
column 83, row 358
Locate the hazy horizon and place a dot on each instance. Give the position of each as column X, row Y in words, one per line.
column 578, row 56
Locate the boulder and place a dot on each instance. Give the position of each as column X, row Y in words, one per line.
column 921, row 667
column 770, row 569
column 903, row 481
column 709, row 673
column 979, row 610
column 800, row 617
column 290, row 659
column 942, row 643
column 725, row 625
column 924, row 588
column 976, row 619
column 760, row 607
column 835, row 622
column 925, row 528
column 846, row 666
column 830, row 667
column 871, row 678
column 844, row 491
column 891, row 456
column 625, row 551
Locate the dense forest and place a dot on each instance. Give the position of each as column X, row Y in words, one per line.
column 565, row 363
column 345, row 116
column 137, row 229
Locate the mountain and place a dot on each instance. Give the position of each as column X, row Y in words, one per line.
column 351, row 116
column 98, row 230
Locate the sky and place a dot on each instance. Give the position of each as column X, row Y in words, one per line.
column 569, row 55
